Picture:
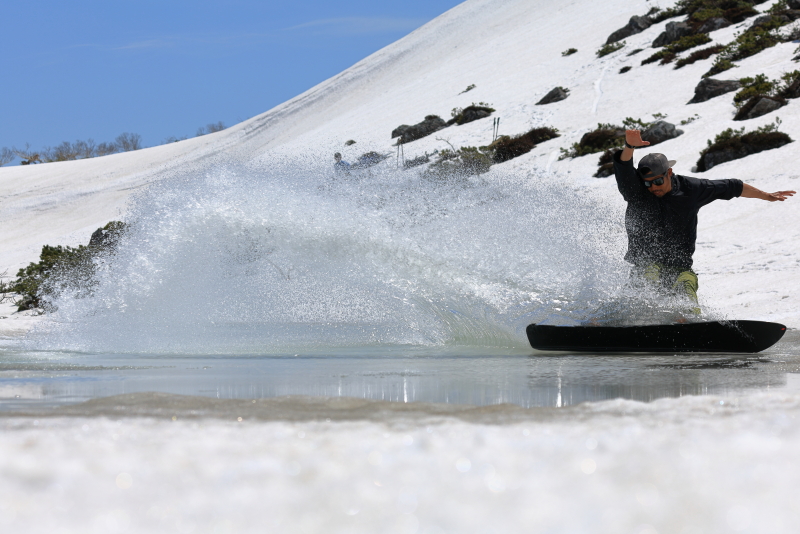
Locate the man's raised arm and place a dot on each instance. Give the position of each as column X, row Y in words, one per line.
column 749, row 191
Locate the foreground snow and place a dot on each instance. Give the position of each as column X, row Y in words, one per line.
column 689, row 465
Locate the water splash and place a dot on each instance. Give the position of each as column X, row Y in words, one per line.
column 245, row 259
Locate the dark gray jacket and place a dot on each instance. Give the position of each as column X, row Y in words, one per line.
column 664, row 230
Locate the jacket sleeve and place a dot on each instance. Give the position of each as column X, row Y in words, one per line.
column 707, row 191
column 628, row 181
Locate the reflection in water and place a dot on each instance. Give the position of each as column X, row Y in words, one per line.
column 528, row 380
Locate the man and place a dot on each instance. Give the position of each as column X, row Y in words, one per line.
column 661, row 218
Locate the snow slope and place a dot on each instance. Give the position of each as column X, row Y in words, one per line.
column 511, row 50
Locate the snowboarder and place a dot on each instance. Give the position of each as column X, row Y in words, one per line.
column 661, row 217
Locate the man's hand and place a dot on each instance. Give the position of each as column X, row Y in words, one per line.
column 634, row 139
column 748, row 191
column 780, row 195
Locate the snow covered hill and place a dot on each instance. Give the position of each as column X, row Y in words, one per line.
column 511, row 50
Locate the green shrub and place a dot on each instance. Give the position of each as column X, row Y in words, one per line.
column 698, row 55
column 569, row 52
column 760, row 85
column 609, row 48
column 658, row 15
column 746, row 44
column 604, row 137
column 669, row 52
column 507, row 147
column 624, row 69
column 61, row 267
column 458, row 164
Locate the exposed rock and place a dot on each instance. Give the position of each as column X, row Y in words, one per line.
column 605, row 165
column 673, row 32
column 634, row 26
column 793, row 4
column 793, row 91
column 792, row 14
column 472, row 114
column 397, row 132
column 714, row 24
column 431, row 124
column 555, row 95
column 709, row 88
column 768, row 19
column 712, row 159
column 758, row 106
column 660, row 131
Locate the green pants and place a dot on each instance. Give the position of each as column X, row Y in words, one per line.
column 670, row 280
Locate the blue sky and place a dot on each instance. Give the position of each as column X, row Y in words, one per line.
column 94, row 69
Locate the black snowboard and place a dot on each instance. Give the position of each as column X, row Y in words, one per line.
column 732, row 336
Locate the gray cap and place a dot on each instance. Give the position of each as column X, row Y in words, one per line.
column 654, row 165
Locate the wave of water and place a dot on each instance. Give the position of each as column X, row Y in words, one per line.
column 238, row 259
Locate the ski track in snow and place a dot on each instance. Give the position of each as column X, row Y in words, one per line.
column 598, row 89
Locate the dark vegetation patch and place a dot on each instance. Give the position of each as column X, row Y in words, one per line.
column 459, row 164
column 62, row 268
column 669, row 52
column 469, row 88
column 732, row 144
column 506, row 147
column 624, row 69
column 761, row 85
column 470, row 113
column 752, row 41
column 569, row 52
column 604, row 137
column 634, row 52
column 609, row 48
column 699, row 55
column 349, row 142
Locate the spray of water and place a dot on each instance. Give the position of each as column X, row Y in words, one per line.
column 289, row 257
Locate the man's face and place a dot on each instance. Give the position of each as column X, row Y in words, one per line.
column 663, row 189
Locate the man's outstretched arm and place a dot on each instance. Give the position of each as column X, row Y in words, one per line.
column 749, row 191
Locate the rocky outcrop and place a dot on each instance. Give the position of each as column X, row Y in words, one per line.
column 713, row 24
column 709, row 88
column 473, row 113
column 659, row 132
column 431, row 124
column 634, row 26
column 758, row 106
column 673, row 32
column 555, row 95
column 793, row 4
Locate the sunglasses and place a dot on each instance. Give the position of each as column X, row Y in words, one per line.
column 651, row 183
column 657, row 181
